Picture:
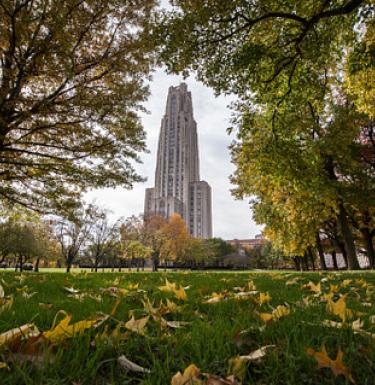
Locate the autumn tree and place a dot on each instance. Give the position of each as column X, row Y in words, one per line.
column 176, row 238
column 71, row 83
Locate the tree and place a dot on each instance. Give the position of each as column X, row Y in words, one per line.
column 298, row 143
column 73, row 232
column 103, row 236
column 71, row 82
column 176, row 238
column 155, row 237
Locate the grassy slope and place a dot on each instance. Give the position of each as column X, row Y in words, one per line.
column 209, row 341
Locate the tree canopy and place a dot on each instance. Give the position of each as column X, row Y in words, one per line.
column 71, row 83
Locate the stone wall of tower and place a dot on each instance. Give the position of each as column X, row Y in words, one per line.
column 177, row 163
column 200, row 206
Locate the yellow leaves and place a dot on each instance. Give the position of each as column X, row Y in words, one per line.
column 180, row 294
column 316, row 288
column 137, row 326
column 263, row 298
column 324, row 361
column 279, row 312
column 339, row 308
column 189, row 377
column 171, row 287
column 266, row 317
column 168, row 287
column 4, row 365
column 251, row 286
column 64, row 330
column 215, row 298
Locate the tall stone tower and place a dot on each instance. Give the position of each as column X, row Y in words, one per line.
column 178, row 188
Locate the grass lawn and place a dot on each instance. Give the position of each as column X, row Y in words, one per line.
column 240, row 318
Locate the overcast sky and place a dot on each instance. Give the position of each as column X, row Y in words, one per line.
column 231, row 218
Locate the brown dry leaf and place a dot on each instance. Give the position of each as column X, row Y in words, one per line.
column 24, row 331
column 324, row 361
column 131, row 366
column 137, row 326
column 45, row 306
column 6, row 303
column 189, row 377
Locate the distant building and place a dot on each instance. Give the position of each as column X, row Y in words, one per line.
column 242, row 244
column 178, row 188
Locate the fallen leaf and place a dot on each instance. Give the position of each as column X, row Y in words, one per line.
column 189, row 377
column 339, row 308
column 180, row 294
column 168, row 287
column 71, row 290
column 316, row 288
column 131, row 366
column 24, row 331
column 137, row 326
column 64, row 330
column 324, row 361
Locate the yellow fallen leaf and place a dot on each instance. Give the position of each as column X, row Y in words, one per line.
column 263, row 298
column 266, row 317
column 339, row 308
column 168, row 287
column 346, row 282
column 4, row 365
column 180, row 294
column 133, row 286
column 316, row 288
column 334, row 288
column 189, row 377
column 280, row 311
column 215, row 297
column 251, row 286
column 137, row 326
column 64, row 330
column 324, row 361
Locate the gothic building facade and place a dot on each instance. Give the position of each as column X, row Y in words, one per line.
column 178, row 188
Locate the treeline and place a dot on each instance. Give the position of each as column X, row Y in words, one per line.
column 88, row 238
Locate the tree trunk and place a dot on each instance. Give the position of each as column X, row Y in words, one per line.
column 36, row 267
column 369, row 246
column 311, row 256
column 21, row 264
column 322, row 259
column 334, row 260
column 155, row 261
column 297, row 263
column 305, row 262
column 348, row 239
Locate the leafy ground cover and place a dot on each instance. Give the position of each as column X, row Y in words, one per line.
column 180, row 328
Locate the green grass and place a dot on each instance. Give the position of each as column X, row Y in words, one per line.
column 216, row 332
